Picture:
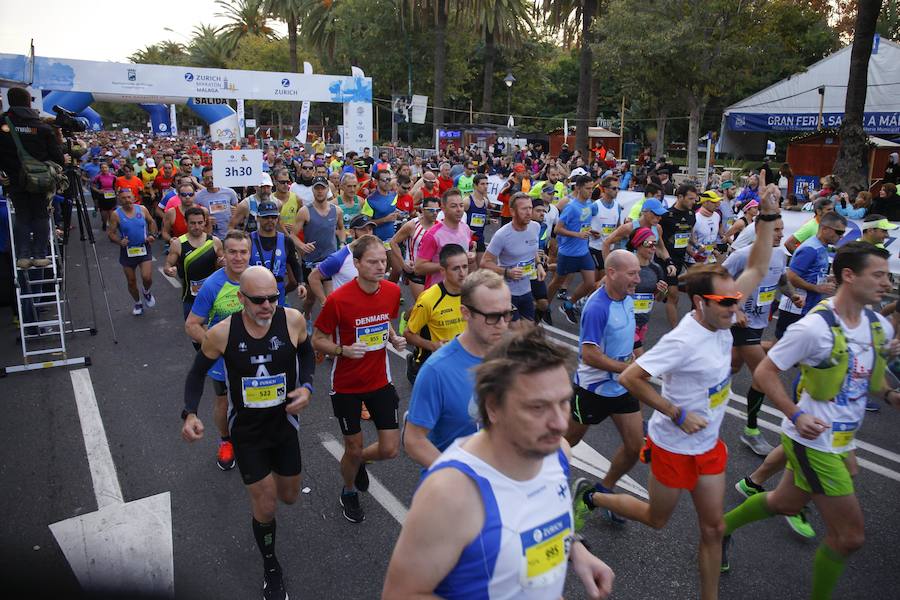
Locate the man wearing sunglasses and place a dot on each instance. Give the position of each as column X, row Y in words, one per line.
column 302, row 186
column 174, row 223
column 410, row 235
column 808, row 271
column 270, row 366
column 271, row 249
column 694, row 363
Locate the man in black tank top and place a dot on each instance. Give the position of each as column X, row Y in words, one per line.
column 193, row 257
column 269, row 364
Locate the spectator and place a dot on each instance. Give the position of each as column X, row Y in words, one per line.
column 858, row 209
column 784, row 179
column 888, row 202
column 892, row 170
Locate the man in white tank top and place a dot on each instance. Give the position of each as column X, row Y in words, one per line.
column 503, row 496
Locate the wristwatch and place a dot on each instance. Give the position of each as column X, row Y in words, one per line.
column 339, row 351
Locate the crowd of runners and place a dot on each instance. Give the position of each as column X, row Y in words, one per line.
column 306, row 270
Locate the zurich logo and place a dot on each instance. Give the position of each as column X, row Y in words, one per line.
column 188, row 76
column 285, row 82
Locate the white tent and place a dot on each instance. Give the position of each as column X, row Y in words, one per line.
column 792, row 104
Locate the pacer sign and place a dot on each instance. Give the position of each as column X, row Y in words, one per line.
column 237, row 168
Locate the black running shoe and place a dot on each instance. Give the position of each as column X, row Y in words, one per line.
column 273, row 586
column 726, row 545
column 568, row 309
column 353, row 512
column 362, row 479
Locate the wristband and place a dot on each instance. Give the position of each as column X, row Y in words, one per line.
column 680, row 417
column 309, row 387
column 505, row 272
column 794, row 416
column 768, row 217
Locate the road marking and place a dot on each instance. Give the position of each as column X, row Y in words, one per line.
column 381, row 494
column 175, row 283
column 560, row 332
column 587, row 459
column 103, row 470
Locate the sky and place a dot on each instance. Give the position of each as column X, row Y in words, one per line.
column 99, row 30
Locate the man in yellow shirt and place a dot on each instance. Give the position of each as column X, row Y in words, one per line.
column 436, row 317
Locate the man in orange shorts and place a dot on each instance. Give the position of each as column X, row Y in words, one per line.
column 683, row 445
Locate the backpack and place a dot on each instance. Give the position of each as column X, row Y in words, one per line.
column 38, row 177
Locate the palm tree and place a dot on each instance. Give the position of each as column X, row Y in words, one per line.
column 208, row 48
column 245, row 17
column 850, row 168
column 503, row 22
column 288, row 11
column 162, row 53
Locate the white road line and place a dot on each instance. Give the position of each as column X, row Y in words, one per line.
column 103, row 470
column 587, row 459
column 381, row 494
column 175, row 283
column 560, row 332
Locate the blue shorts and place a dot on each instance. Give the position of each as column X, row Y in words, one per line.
column 524, row 307
column 574, row 264
column 133, row 262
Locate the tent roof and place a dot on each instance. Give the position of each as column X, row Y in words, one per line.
column 798, row 93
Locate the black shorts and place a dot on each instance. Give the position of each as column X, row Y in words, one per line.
column 220, row 388
column 413, row 278
column 589, row 408
column 679, row 269
column 133, row 262
column 104, row 203
column 480, row 246
column 539, row 289
column 276, row 452
column 597, row 255
column 382, row 405
column 524, row 304
column 307, row 268
column 746, row 336
column 785, row 320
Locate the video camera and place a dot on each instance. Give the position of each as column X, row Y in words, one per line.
column 68, row 121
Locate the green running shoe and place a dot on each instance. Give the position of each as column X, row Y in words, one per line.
column 747, row 488
column 580, row 510
column 726, row 545
column 800, row 524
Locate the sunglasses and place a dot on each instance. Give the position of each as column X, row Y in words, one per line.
column 280, row 181
column 432, row 210
column 273, row 299
column 839, row 232
column 648, row 244
column 186, row 194
column 493, row 318
column 725, row 301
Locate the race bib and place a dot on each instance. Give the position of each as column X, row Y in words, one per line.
column 643, row 303
column 606, row 229
column 373, row 336
column 681, row 240
column 264, row 392
column 478, row 220
column 719, row 393
column 136, row 251
column 218, row 206
column 842, row 433
column 545, row 549
column 109, row 195
column 528, row 269
column 708, row 248
column 196, row 285
column 765, row 295
column 585, row 227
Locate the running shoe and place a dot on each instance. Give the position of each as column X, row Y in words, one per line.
column 352, row 511
column 225, row 455
column 149, row 300
column 365, row 416
column 608, row 514
column 568, row 309
column 548, row 318
column 562, row 294
column 800, row 524
column 580, row 508
column 138, row 309
column 361, row 481
column 754, row 440
column 747, row 487
column 726, row 546
column 273, row 586
column 872, row 406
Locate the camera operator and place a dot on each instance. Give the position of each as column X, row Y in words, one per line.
column 32, row 227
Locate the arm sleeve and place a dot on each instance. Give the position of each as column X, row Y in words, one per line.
column 306, row 359
column 193, row 384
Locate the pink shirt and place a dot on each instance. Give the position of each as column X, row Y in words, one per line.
column 436, row 238
column 173, row 202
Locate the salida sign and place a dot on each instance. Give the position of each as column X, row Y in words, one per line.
column 873, row 122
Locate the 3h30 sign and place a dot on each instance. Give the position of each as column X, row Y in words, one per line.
column 237, row 168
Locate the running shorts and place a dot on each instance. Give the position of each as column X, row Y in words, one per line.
column 681, row 471
column 573, row 264
column 276, row 451
column 382, row 405
column 746, row 336
column 589, row 408
column 817, row 472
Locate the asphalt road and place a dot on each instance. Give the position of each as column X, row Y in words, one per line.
column 138, row 385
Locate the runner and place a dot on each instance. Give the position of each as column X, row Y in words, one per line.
column 290, row 203
column 605, row 222
column 513, row 253
column 103, row 188
column 174, row 224
column 452, row 230
column 465, row 181
column 322, row 225
column 270, row 248
column 339, row 268
column 678, row 232
column 302, row 185
column 220, row 202
column 477, row 214
column 244, row 215
column 349, row 203
column 129, row 180
column 410, row 235
column 426, row 187
column 821, row 207
column 436, row 318
column 694, row 363
column 500, row 495
column 539, row 288
column 355, row 327
column 745, row 220
column 270, row 366
column 216, row 300
column 652, row 287
column 193, row 257
column 707, row 231
column 133, row 229
column 381, row 207
column 573, row 256
column 818, row 433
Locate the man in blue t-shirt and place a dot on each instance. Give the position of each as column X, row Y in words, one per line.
column 573, row 230
column 605, row 349
column 808, row 271
column 381, row 206
column 439, row 409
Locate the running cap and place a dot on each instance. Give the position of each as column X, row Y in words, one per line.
column 710, row 196
column 360, row 221
column 751, row 204
column 319, row 180
column 268, row 209
column 640, row 235
column 265, row 179
column 654, row 206
column 880, row 224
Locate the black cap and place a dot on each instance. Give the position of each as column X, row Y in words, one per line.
column 319, row 181
column 360, row 221
column 268, row 209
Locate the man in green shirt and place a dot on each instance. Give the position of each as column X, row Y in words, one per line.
column 559, row 188
column 822, row 207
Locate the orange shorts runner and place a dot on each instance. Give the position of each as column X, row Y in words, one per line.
column 681, row 471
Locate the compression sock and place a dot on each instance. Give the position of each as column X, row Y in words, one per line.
column 752, row 509
column 265, row 540
column 827, row 569
column 754, row 405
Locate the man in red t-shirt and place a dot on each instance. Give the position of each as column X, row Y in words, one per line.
column 128, row 180
column 405, row 201
column 355, row 327
column 445, row 182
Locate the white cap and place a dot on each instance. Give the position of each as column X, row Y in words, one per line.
column 108, row 153
column 151, row 163
column 576, row 172
column 140, row 155
column 265, row 179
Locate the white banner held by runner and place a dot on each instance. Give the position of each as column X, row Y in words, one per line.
column 241, row 117
column 173, row 120
column 495, row 184
column 237, row 168
column 304, row 123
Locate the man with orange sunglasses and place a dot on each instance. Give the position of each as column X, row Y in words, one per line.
column 694, row 363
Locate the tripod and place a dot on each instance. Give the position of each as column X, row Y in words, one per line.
column 74, row 196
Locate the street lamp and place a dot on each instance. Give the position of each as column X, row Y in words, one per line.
column 509, row 80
